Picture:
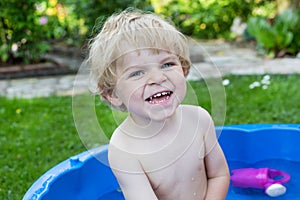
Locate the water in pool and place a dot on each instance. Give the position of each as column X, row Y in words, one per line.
column 293, row 186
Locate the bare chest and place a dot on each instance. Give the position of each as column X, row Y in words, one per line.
column 180, row 176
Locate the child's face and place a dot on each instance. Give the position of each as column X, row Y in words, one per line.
column 151, row 85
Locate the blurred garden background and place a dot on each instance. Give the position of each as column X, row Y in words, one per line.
column 29, row 28
column 38, row 133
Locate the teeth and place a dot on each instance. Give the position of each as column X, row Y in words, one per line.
column 157, row 95
column 161, row 94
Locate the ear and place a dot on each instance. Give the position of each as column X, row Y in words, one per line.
column 114, row 99
column 185, row 71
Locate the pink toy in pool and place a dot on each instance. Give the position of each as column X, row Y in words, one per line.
column 270, row 180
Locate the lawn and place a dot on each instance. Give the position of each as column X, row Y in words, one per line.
column 38, row 133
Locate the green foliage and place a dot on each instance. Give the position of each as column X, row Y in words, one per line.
column 280, row 35
column 19, row 30
column 94, row 12
column 26, row 28
column 207, row 19
column 29, row 27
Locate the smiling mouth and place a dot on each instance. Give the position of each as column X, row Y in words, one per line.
column 159, row 97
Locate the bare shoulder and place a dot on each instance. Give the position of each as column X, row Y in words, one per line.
column 116, row 145
column 128, row 170
column 199, row 116
column 116, row 137
column 195, row 112
column 120, row 159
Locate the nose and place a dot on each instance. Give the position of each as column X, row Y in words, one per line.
column 156, row 76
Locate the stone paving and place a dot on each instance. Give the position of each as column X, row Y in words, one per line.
column 209, row 59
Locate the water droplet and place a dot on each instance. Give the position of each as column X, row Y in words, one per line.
column 194, row 194
column 193, row 179
column 201, row 152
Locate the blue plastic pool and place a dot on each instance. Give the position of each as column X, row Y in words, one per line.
column 274, row 146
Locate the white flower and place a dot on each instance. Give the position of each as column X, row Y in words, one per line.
column 266, row 80
column 238, row 27
column 14, row 47
column 266, row 77
column 225, row 82
column 264, row 83
column 254, row 85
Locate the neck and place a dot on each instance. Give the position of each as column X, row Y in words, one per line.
column 142, row 129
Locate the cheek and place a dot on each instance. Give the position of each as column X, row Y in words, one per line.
column 181, row 87
column 128, row 92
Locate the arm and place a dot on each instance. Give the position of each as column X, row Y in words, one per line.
column 216, row 167
column 217, row 174
column 132, row 179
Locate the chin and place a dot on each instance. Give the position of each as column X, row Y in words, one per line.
column 163, row 114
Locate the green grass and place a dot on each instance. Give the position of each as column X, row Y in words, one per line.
column 279, row 103
column 37, row 134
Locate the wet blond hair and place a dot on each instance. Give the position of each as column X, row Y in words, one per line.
column 136, row 29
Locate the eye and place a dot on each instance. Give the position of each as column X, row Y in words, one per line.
column 136, row 74
column 167, row 65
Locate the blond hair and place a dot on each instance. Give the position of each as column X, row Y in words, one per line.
column 136, row 29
